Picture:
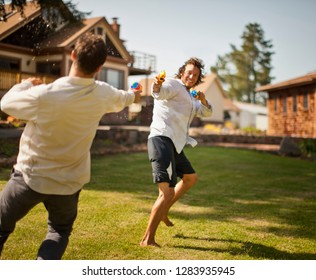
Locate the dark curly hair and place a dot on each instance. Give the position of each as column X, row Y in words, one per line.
column 197, row 63
column 90, row 53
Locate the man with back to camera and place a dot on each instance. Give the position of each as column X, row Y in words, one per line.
column 53, row 163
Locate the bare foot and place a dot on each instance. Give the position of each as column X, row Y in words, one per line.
column 167, row 222
column 144, row 243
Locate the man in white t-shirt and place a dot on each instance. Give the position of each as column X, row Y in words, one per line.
column 53, row 163
column 174, row 109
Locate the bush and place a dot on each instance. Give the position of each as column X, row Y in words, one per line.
column 308, row 147
column 9, row 148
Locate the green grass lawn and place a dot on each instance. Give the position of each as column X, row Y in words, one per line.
column 247, row 205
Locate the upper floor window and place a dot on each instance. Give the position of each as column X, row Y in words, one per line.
column 99, row 30
column 113, row 77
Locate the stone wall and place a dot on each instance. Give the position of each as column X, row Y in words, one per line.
column 118, row 139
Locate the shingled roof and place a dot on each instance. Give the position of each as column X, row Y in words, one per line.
column 310, row 78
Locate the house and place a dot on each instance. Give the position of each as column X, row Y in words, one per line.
column 30, row 46
column 292, row 107
column 246, row 115
column 211, row 87
column 215, row 94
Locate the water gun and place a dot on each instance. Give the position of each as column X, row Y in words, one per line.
column 161, row 77
column 137, row 86
column 195, row 93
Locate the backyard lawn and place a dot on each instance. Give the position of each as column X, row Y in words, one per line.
column 247, row 205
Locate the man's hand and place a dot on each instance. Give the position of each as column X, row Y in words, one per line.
column 157, row 84
column 35, row 81
column 202, row 98
column 137, row 95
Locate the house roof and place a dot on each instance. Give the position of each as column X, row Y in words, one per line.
column 68, row 35
column 208, row 81
column 310, row 78
column 63, row 38
column 14, row 21
column 230, row 106
column 251, row 108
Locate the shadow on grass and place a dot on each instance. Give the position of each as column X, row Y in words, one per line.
column 257, row 251
column 281, row 219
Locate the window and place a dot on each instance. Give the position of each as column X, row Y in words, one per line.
column 113, row 77
column 9, row 63
column 99, row 30
column 284, row 105
column 52, row 68
column 305, row 101
column 294, row 103
column 275, row 104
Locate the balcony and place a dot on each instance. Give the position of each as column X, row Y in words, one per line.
column 142, row 64
column 9, row 78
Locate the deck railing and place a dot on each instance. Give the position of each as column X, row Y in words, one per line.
column 10, row 78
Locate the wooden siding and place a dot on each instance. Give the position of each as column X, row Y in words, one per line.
column 299, row 123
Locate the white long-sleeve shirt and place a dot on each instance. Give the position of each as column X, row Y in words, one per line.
column 174, row 110
column 62, row 119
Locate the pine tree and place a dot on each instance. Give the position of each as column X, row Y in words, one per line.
column 67, row 9
column 243, row 70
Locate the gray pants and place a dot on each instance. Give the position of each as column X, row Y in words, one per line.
column 17, row 199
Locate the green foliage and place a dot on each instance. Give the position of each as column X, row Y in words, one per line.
column 308, row 147
column 243, row 70
column 9, row 148
column 66, row 9
column 247, row 205
column 252, row 130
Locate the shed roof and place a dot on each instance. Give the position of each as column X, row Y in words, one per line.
column 309, row 78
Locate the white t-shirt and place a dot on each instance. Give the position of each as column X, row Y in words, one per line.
column 174, row 110
column 62, row 119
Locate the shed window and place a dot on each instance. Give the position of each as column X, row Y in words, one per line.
column 294, row 103
column 305, row 101
column 284, row 105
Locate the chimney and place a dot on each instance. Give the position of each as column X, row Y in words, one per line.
column 115, row 26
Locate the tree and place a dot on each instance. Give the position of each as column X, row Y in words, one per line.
column 243, row 70
column 67, row 9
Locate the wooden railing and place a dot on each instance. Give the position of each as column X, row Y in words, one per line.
column 10, row 78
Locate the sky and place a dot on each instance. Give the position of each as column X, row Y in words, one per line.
column 175, row 30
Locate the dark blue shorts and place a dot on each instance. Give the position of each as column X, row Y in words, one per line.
column 166, row 163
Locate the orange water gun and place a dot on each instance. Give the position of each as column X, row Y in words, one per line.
column 161, row 77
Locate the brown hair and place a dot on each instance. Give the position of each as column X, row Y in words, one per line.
column 90, row 53
column 197, row 63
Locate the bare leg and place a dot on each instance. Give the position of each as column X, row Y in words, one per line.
column 159, row 210
column 185, row 184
